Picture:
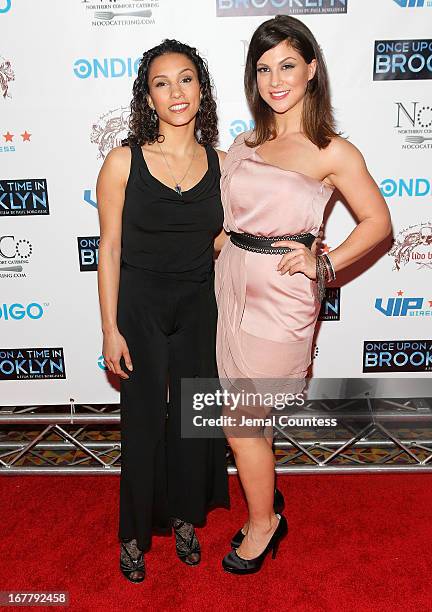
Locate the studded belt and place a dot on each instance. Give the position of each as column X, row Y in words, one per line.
column 262, row 244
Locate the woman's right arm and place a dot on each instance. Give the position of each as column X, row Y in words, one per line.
column 110, row 193
column 220, row 238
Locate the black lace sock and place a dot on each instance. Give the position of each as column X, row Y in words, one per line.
column 187, row 545
column 135, row 570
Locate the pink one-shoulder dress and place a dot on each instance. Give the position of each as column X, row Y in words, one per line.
column 266, row 320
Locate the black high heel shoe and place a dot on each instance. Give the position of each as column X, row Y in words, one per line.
column 132, row 568
column 278, row 507
column 187, row 545
column 235, row 564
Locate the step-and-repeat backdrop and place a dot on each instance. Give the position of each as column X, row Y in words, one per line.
column 66, row 74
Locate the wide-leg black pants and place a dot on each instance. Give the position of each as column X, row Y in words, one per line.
column 169, row 326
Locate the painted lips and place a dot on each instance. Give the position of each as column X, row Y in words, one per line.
column 279, row 95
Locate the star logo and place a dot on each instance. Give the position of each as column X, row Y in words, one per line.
column 26, row 136
column 430, row 303
column 8, row 137
column 400, row 292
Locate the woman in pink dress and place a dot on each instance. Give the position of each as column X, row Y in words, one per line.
column 276, row 182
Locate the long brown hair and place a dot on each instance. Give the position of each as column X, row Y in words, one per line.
column 317, row 118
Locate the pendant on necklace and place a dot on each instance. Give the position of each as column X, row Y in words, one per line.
column 178, row 189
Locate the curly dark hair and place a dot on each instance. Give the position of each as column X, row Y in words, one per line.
column 144, row 125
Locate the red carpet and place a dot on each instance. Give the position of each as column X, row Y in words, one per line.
column 355, row 541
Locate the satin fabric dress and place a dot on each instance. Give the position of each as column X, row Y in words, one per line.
column 266, row 320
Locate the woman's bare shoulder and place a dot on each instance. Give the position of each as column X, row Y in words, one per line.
column 342, row 149
column 119, row 155
column 117, row 163
column 341, row 154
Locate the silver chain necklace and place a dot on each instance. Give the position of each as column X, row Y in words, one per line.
column 178, row 188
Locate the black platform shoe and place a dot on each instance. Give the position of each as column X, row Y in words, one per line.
column 132, row 568
column 278, row 507
column 187, row 545
column 235, row 564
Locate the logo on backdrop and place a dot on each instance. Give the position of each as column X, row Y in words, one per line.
column 412, row 248
column 5, row 6
column 6, row 76
column 410, row 187
column 17, row 312
column 403, row 60
column 88, row 250
column 31, row 363
column 230, row 8
column 330, row 306
column 414, row 122
column 108, row 67
column 238, row 126
column 414, row 3
column 24, row 197
column 101, row 363
column 397, row 356
column 87, row 197
column 11, row 141
column 119, row 13
column 110, row 130
column 15, row 254
column 401, row 306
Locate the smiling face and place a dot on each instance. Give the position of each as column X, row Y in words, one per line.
column 282, row 77
column 174, row 89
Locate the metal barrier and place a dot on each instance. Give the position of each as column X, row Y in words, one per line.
column 384, row 435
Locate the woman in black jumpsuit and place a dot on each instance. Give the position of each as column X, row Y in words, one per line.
column 166, row 313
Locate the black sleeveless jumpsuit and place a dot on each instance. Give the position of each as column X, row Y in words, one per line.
column 167, row 314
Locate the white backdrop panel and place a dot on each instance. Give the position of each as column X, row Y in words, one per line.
column 64, row 110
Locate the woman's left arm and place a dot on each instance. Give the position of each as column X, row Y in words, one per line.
column 351, row 177
column 348, row 172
